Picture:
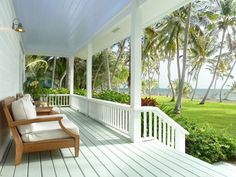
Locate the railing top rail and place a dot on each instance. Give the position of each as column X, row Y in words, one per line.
column 164, row 116
column 56, row 94
column 104, row 102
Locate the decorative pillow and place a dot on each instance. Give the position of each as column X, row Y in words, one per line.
column 23, row 109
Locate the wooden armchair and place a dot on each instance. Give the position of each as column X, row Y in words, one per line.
column 73, row 139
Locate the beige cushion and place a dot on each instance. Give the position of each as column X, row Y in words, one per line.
column 49, row 130
column 23, row 109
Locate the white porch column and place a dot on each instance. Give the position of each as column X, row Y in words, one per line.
column 136, row 70
column 89, row 72
column 71, row 74
column 89, row 75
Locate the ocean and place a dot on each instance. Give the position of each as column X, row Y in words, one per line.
column 199, row 94
column 214, row 94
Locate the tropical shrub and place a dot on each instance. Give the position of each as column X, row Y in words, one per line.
column 34, row 88
column 203, row 141
column 149, row 101
column 58, row 91
column 81, row 92
column 114, row 96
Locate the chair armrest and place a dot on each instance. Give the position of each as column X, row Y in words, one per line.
column 36, row 120
column 43, row 109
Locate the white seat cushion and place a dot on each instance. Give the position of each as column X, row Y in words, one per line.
column 56, row 110
column 49, row 130
column 23, row 109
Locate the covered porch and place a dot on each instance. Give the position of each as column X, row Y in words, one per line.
column 105, row 152
column 116, row 139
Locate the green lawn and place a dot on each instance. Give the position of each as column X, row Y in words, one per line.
column 219, row 115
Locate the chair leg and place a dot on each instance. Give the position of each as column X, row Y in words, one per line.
column 19, row 153
column 77, row 146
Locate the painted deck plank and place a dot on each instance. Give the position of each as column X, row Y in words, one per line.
column 70, row 163
column 59, row 164
column 47, row 166
column 8, row 169
column 86, row 168
column 22, row 169
column 141, row 159
column 123, row 146
column 196, row 166
column 131, row 161
column 34, row 165
column 106, row 153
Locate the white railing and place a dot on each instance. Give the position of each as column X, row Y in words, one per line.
column 61, row 100
column 115, row 115
column 157, row 125
column 153, row 123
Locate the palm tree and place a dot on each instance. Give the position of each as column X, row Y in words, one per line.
column 186, row 38
column 106, row 61
column 202, row 48
column 231, row 41
column 231, row 90
column 227, row 10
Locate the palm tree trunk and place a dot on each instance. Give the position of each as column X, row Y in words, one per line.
column 196, row 84
column 62, row 78
column 149, row 78
column 107, row 69
column 217, row 64
column 122, row 46
column 169, row 79
column 96, row 75
column 177, row 55
column 53, row 71
column 181, row 85
column 214, row 90
column 226, row 80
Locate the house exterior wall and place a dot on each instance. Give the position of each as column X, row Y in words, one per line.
column 11, row 68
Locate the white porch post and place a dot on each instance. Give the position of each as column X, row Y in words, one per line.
column 136, row 70
column 89, row 75
column 71, row 75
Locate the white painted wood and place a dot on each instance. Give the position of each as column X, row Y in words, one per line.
column 22, row 170
column 136, row 70
column 60, row 100
column 71, row 74
column 34, row 165
column 10, row 59
column 89, row 71
column 59, row 164
column 47, row 165
column 106, row 153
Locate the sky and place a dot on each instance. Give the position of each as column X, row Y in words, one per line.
column 204, row 77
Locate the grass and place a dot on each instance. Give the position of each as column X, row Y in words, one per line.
column 222, row 116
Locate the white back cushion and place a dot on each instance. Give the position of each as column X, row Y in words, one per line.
column 23, row 109
column 28, row 97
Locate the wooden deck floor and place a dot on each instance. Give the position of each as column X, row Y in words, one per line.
column 106, row 153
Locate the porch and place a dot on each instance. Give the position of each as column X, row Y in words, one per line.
column 105, row 152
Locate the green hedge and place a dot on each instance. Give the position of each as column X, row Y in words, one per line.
column 204, row 142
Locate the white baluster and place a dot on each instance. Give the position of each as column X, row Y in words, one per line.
column 160, row 135
column 144, row 124
column 155, row 125
column 164, row 132
column 150, row 124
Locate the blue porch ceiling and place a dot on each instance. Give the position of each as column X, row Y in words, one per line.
column 60, row 26
column 65, row 27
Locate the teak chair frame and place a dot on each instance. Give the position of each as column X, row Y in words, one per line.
column 44, row 145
